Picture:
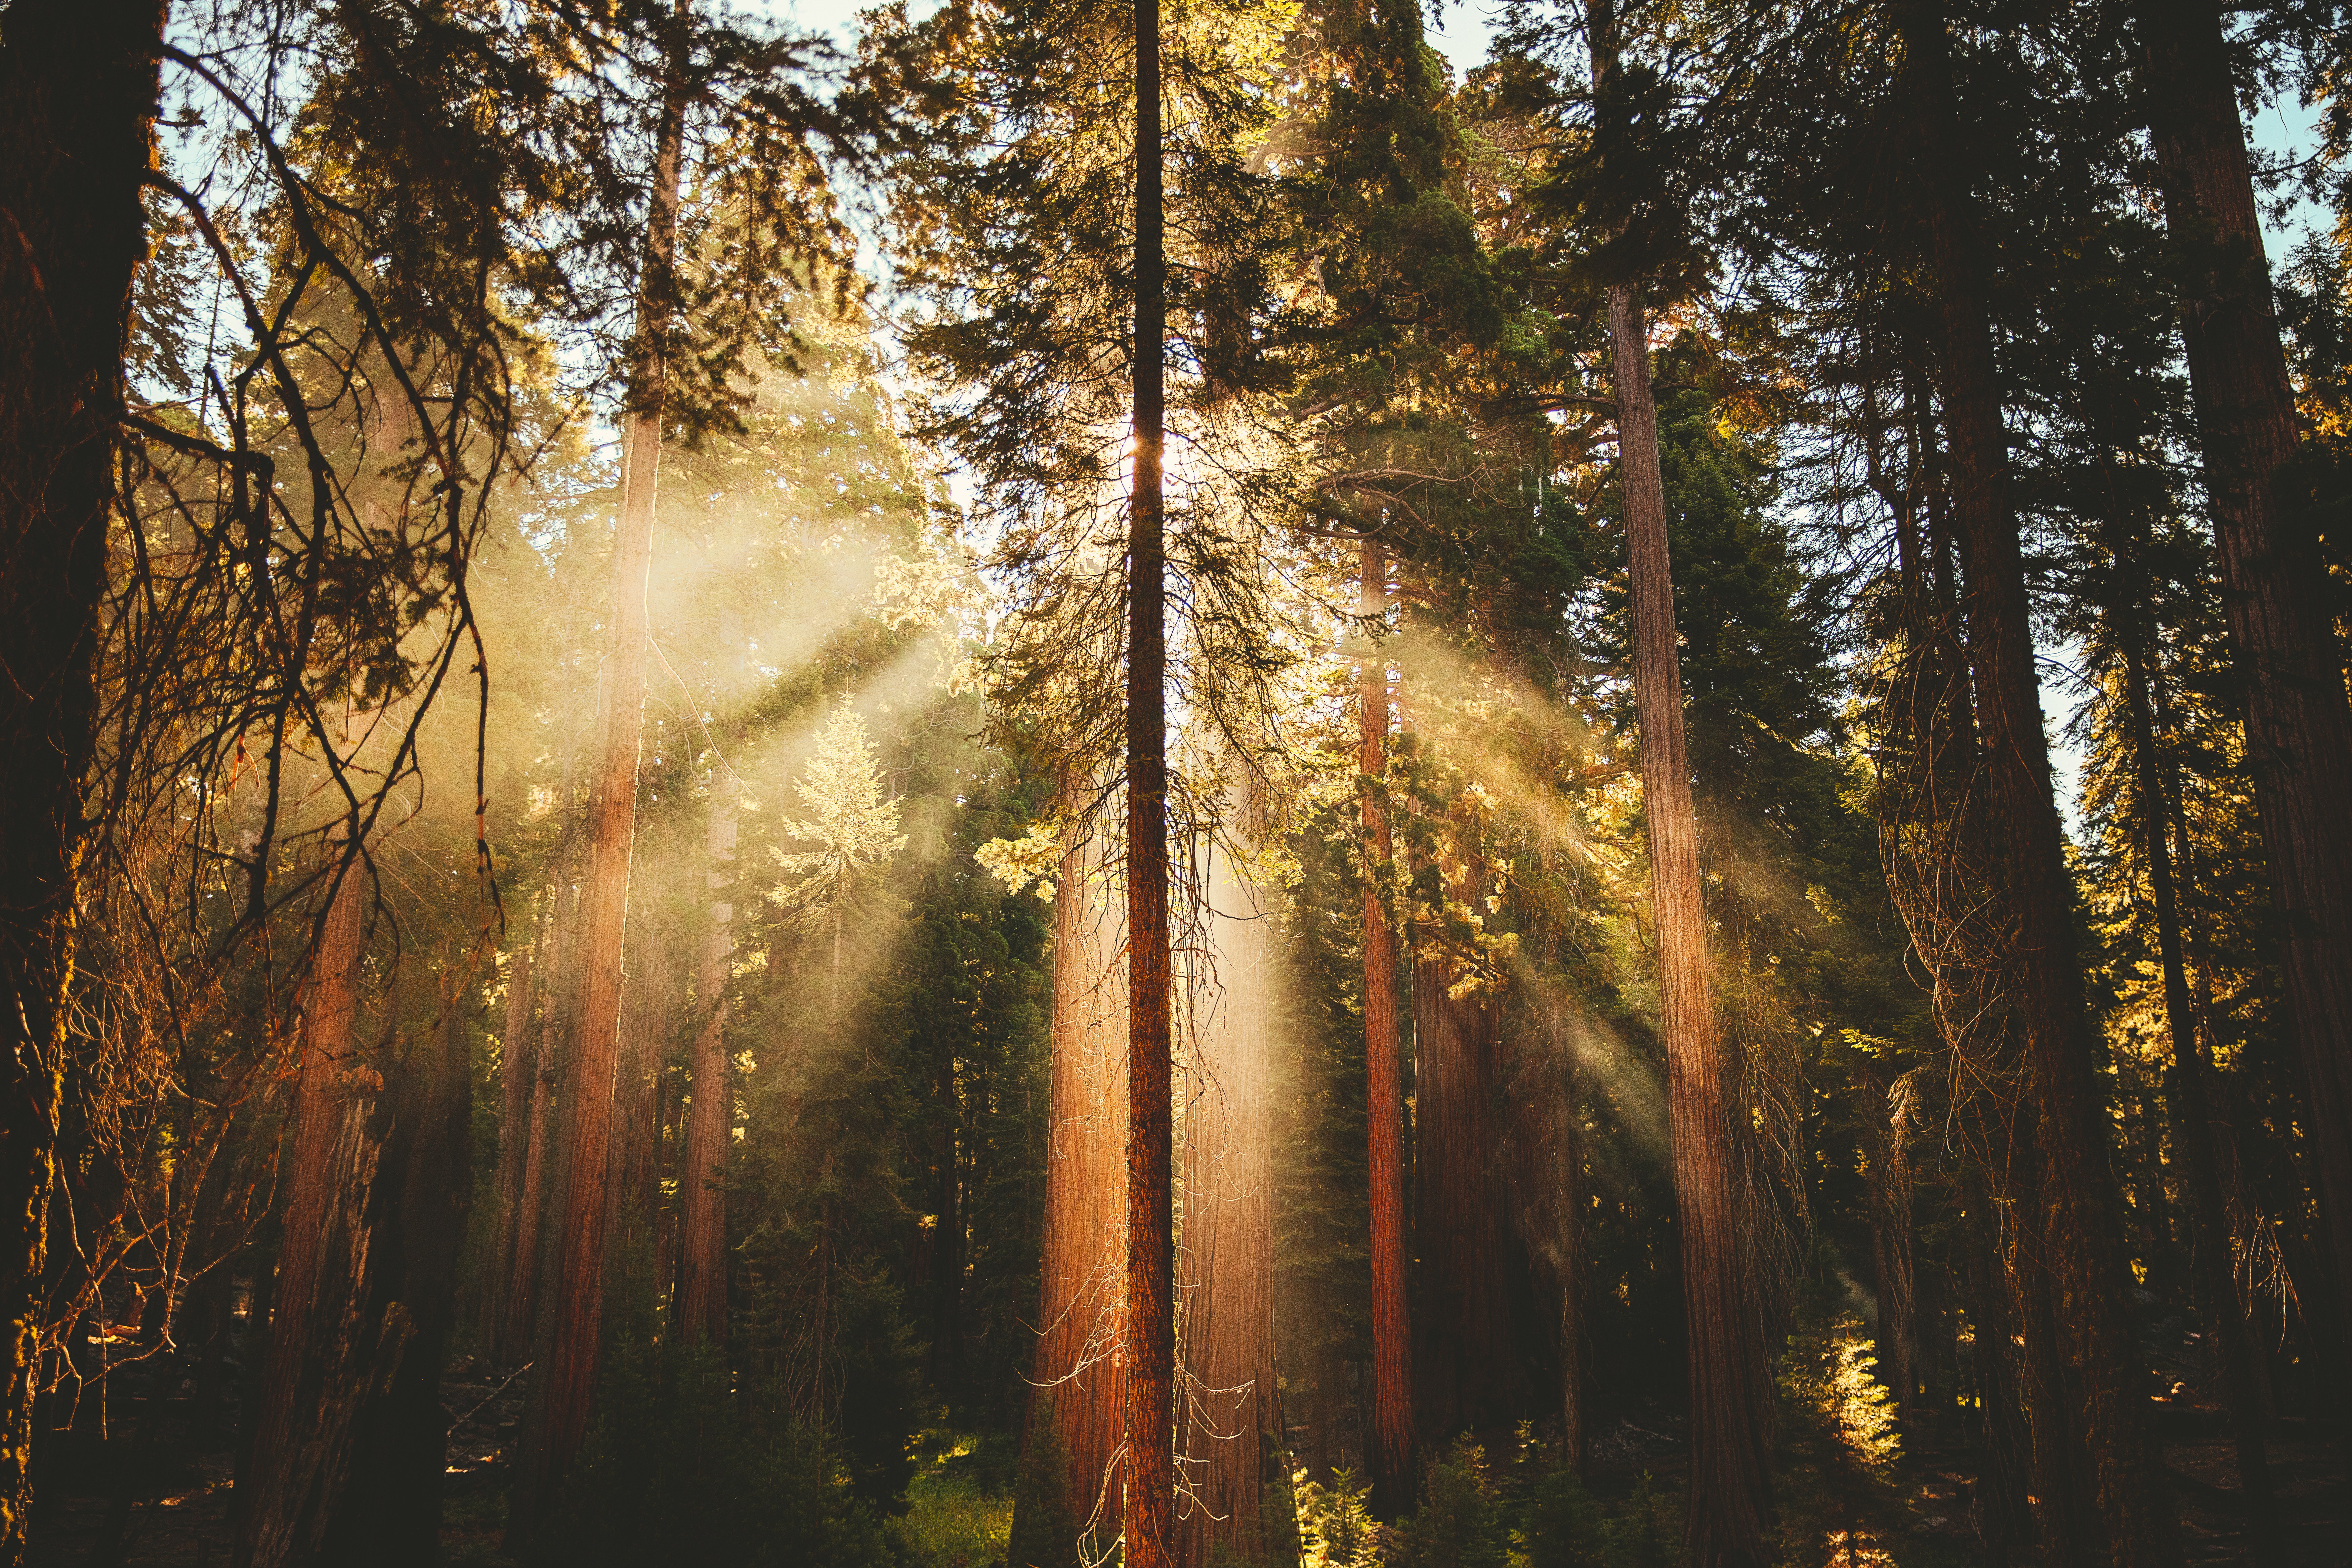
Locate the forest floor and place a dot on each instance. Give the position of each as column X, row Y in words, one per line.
column 129, row 1500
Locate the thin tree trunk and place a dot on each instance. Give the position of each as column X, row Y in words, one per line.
column 1389, row 1443
column 702, row 1287
column 947, row 1242
column 524, row 1260
column 2194, row 1100
column 2298, row 727
column 2079, row 1205
column 1228, row 1415
column 78, row 90
column 1081, row 1259
column 517, row 1055
column 566, row 1388
column 1731, row 1488
column 1150, row 1305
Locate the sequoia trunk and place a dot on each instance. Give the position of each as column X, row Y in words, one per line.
column 323, row 1349
column 1150, row 1307
column 78, row 90
column 1228, row 1413
column 1078, row 1362
column 1729, row 1492
column 2298, row 729
column 567, row 1385
column 2079, row 1214
column 1390, row 1457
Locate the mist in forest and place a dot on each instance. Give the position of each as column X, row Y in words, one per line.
column 1182, row 784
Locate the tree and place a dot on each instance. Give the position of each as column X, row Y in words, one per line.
column 2075, row 1190
column 853, row 825
column 80, row 89
column 2298, row 725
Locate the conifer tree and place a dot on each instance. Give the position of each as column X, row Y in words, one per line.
column 2298, row 722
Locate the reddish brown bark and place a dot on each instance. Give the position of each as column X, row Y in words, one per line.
column 1730, row 1489
column 1391, row 1446
column 565, row 1391
column 1080, row 1267
column 77, row 90
column 1149, row 1308
column 650, row 1016
column 2298, row 728
column 2079, row 1216
column 1467, row 1373
column 1228, row 1418
column 702, row 1243
column 325, row 1349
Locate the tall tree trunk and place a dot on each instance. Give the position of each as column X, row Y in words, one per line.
column 2080, row 1211
column 1389, row 1445
column 1081, row 1261
column 1469, row 1375
column 1150, row 1305
column 324, row 1347
column 1730, row 1487
column 400, row 1451
column 2298, row 728
column 524, row 1259
column 2194, row 1100
column 651, row 1012
column 702, row 1282
column 77, row 89
column 566, row 1386
column 1228, row 1419
column 518, row 1063
column 2004, row 1491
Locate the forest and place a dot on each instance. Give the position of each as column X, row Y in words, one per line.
column 1034, row 784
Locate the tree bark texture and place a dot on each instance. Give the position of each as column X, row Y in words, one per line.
column 1082, row 1263
column 709, row 1125
column 1389, row 1444
column 77, row 90
column 1730, row 1490
column 567, row 1386
column 650, row 1014
column 325, row 1349
column 2004, row 1491
column 1227, row 1417
column 1150, row 1305
column 2298, row 728
column 1468, row 1373
column 1543, row 1166
column 2080, row 1217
